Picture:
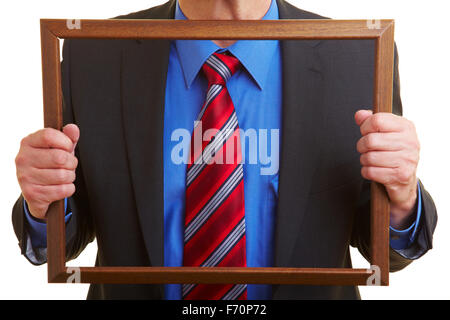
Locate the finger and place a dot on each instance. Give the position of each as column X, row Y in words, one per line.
column 381, row 142
column 49, row 138
column 51, row 176
column 384, row 159
column 72, row 131
column 40, row 193
column 382, row 122
column 51, row 159
column 381, row 175
column 361, row 116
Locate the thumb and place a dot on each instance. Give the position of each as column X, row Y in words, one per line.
column 72, row 131
column 361, row 116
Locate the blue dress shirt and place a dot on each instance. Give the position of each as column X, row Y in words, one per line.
column 257, row 98
column 256, row 93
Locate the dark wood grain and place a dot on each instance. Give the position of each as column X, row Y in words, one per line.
column 52, row 29
column 164, row 275
column 384, row 66
column 51, row 79
column 222, row 29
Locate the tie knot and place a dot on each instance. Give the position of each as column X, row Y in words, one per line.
column 220, row 67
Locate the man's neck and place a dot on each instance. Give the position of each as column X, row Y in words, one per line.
column 224, row 10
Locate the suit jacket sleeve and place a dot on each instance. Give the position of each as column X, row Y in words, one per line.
column 80, row 228
column 427, row 224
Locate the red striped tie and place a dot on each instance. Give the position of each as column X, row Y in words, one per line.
column 214, row 233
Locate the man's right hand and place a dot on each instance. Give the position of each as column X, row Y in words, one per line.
column 46, row 167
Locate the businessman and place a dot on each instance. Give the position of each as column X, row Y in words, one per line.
column 222, row 153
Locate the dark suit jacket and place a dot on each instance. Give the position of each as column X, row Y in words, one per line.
column 114, row 90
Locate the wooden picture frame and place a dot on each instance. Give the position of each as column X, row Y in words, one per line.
column 382, row 31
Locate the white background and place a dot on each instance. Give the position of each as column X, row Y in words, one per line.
column 422, row 37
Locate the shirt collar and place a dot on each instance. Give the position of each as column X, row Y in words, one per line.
column 255, row 55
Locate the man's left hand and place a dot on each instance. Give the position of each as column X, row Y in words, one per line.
column 390, row 151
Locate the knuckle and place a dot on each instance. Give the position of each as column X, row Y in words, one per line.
column 65, row 176
column 72, row 189
column 72, row 176
column 25, row 192
column 58, row 193
column 369, row 172
column 29, row 192
column 73, row 162
column 412, row 158
column 66, row 190
column 24, row 141
column 403, row 174
column 19, row 160
column 22, row 178
column 412, row 150
column 47, row 135
column 365, row 172
column 412, row 171
column 59, row 157
column 360, row 145
column 378, row 121
column 372, row 173
column 60, row 176
column 362, row 160
column 371, row 141
column 365, row 159
column 370, row 157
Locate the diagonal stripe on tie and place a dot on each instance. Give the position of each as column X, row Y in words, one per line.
column 214, row 232
column 227, row 188
column 227, row 130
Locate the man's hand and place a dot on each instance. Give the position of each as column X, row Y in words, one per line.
column 390, row 150
column 46, row 167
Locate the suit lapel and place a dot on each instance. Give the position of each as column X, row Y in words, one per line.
column 300, row 146
column 144, row 69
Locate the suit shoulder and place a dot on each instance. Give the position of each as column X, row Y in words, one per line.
column 90, row 49
column 163, row 11
column 288, row 11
